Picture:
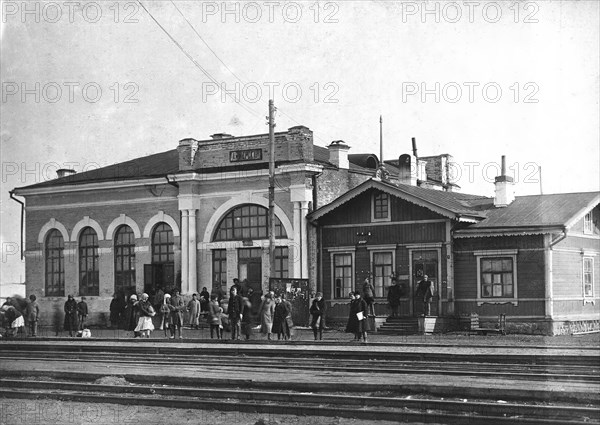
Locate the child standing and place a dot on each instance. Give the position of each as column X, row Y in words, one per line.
column 214, row 317
column 33, row 314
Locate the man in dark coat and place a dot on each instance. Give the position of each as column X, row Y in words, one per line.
column 234, row 311
column 82, row 312
column 177, row 309
column 237, row 286
column 356, row 324
column 280, row 323
column 70, row 315
column 117, row 309
column 204, row 300
column 132, row 315
column 425, row 291
column 317, row 311
column 394, row 295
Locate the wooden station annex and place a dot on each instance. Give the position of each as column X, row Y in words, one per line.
column 196, row 216
column 533, row 258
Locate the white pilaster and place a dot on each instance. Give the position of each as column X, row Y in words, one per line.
column 295, row 250
column 185, row 244
column 304, row 238
column 192, row 254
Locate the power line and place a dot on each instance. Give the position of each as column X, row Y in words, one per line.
column 204, row 71
column 227, row 67
column 205, row 43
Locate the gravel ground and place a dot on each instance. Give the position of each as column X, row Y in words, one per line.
column 335, row 335
column 46, row 412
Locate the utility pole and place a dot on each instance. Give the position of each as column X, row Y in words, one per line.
column 380, row 139
column 271, row 188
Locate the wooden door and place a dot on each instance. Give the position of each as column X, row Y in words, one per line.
column 424, row 263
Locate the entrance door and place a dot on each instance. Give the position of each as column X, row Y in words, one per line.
column 250, row 268
column 424, row 263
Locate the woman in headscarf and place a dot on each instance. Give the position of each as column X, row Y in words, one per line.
column 145, row 326
column 214, row 317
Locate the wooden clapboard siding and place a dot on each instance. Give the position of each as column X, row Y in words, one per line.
column 465, row 275
column 358, row 210
column 576, row 308
column 362, row 267
column 531, row 274
column 388, row 234
column 530, row 267
column 524, row 308
column 567, row 271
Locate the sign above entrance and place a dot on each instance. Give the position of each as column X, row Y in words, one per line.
column 245, row 155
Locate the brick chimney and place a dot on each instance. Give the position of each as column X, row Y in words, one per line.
column 504, row 188
column 65, row 172
column 408, row 169
column 338, row 154
column 219, row 136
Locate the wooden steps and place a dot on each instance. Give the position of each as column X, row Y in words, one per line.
column 399, row 326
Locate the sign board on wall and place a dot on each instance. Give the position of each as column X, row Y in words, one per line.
column 245, row 155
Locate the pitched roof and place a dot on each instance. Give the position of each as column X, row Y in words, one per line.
column 536, row 211
column 449, row 204
column 526, row 214
column 156, row 165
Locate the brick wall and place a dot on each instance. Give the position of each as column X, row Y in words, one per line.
column 296, row 144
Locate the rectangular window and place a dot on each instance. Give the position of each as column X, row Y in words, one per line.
column 220, row 269
column 342, row 275
column 382, row 271
column 281, row 262
column 588, row 277
column 497, row 277
column 588, row 224
column 381, row 210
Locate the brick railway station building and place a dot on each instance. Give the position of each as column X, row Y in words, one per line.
column 196, row 216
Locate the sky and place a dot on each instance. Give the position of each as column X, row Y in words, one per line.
column 92, row 83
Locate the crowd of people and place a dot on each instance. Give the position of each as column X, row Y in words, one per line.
column 243, row 313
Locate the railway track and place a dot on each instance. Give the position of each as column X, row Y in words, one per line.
column 366, row 406
column 475, row 369
column 223, row 377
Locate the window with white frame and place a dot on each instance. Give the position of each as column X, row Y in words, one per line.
column 381, row 207
column 588, row 277
column 497, row 276
column 342, row 275
column 383, row 264
column 588, row 228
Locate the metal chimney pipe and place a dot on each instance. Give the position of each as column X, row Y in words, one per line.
column 503, row 169
column 414, row 145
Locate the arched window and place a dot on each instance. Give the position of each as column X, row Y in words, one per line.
column 89, row 277
column 162, row 244
column 124, row 259
column 55, row 264
column 161, row 273
column 247, row 222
